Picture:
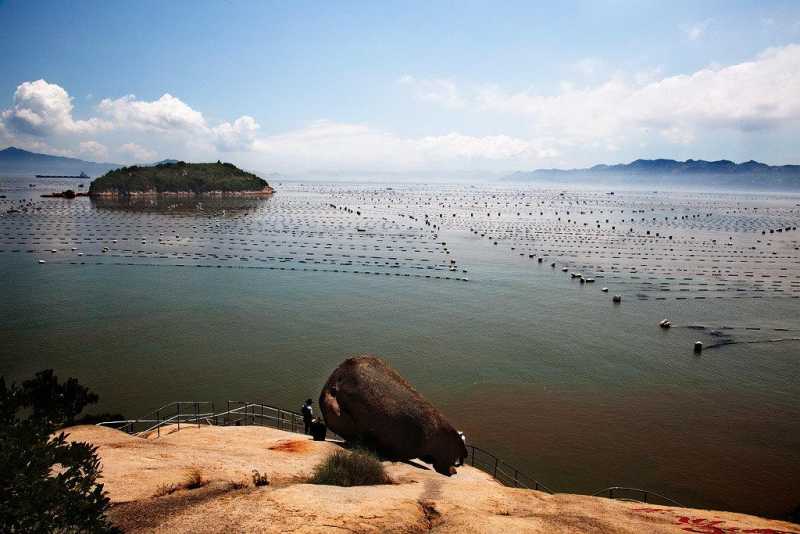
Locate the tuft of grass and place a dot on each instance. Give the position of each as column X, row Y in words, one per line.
column 194, row 479
column 355, row 468
column 260, row 479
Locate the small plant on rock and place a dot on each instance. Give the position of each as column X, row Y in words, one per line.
column 260, row 479
column 194, row 479
column 350, row 468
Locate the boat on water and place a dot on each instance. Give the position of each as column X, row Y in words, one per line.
column 81, row 175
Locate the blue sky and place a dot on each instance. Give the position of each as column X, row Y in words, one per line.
column 433, row 89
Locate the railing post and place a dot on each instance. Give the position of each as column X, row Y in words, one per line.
column 473, row 455
column 645, row 496
column 196, row 420
column 515, row 478
column 179, row 415
column 610, row 493
column 158, row 428
column 495, row 467
column 225, row 419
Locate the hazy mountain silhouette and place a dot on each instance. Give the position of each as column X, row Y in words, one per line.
column 15, row 161
column 669, row 172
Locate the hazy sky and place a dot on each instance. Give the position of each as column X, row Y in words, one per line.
column 416, row 89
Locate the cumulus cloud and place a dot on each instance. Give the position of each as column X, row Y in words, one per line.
column 170, row 115
column 167, row 114
column 41, row 109
column 93, row 149
column 237, row 136
column 757, row 94
column 137, row 153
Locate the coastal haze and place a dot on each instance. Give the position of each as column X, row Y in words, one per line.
column 245, row 299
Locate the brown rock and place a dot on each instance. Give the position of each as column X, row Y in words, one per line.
column 368, row 402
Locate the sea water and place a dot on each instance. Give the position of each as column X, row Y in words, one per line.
column 244, row 299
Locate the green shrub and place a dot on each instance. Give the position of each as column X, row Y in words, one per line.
column 350, row 468
column 48, row 484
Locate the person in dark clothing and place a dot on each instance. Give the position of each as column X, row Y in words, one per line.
column 308, row 415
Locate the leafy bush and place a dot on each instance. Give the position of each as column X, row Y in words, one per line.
column 47, row 484
column 344, row 468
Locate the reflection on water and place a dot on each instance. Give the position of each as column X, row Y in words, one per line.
column 487, row 298
column 210, row 206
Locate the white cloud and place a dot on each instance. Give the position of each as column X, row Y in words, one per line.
column 93, row 149
column 757, row 94
column 41, row 109
column 170, row 115
column 167, row 114
column 577, row 123
column 137, row 153
column 236, row 136
column 358, row 148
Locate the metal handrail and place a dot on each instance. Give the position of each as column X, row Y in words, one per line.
column 644, row 493
column 502, row 471
column 155, row 415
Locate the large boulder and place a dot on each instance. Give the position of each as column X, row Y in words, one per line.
column 365, row 401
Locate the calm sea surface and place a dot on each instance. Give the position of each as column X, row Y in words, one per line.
column 261, row 299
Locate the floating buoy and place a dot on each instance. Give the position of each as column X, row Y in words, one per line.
column 698, row 347
column 41, row 262
column 665, row 323
column 616, row 299
column 604, row 290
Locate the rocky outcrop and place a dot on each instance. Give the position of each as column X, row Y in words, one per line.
column 136, row 470
column 367, row 402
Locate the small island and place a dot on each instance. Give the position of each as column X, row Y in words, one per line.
column 180, row 179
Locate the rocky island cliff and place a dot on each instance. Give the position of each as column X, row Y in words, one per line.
column 180, row 179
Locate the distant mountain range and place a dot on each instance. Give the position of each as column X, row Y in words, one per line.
column 692, row 173
column 18, row 162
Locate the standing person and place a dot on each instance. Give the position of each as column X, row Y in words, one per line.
column 308, row 415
